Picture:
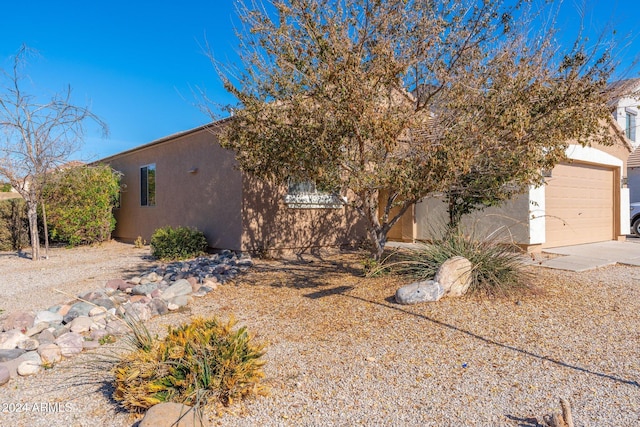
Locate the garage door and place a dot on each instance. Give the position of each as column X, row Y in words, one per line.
column 580, row 205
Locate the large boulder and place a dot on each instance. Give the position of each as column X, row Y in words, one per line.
column 454, row 276
column 181, row 287
column 426, row 291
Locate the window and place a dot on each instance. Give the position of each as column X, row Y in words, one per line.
column 630, row 128
column 148, row 185
column 305, row 195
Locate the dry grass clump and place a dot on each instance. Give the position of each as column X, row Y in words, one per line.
column 200, row 363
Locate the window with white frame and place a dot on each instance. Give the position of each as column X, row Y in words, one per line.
column 630, row 128
column 148, row 185
column 303, row 194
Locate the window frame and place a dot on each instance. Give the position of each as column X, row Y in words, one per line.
column 631, row 120
column 148, row 192
column 303, row 194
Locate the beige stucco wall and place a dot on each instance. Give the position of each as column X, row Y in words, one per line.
column 209, row 199
column 269, row 225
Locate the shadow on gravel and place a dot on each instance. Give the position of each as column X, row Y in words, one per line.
column 341, row 291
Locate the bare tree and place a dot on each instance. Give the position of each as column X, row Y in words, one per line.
column 36, row 137
column 393, row 101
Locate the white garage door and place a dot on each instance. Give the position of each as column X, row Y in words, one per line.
column 580, row 205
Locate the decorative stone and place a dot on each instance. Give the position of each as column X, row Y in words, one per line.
column 181, row 287
column 93, row 295
column 29, row 344
column 104, row 302
column 117, row 327
column 77, row 310
column 144, row 289
column 37, row 328
column 90, row 345
column 14, row 353
column 98, row 334
column 153, row 277
column 138, row 311
column 45, row 336
column 168, row 414
column 47, row 316
column 50, row 353
column 61, row 330
column 426, row 291
column 139, row 298
column 11, row 339
column 12, row 365
column 158, row 306
column 97, row 311
column 5, row 375
column 18, row 320
column 116, row 284
column 133, row 281
column 64, row 309
column 454, row 276
column 30, row 367
column 181, row 300
column 70, row 344
column 81, row 324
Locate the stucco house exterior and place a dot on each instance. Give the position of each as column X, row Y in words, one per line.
column 188, row 179
column 583, row 200
column 625, row 108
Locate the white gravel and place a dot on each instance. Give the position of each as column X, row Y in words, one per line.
column 340, row 352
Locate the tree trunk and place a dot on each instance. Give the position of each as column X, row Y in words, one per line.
column 46, row 232
column 32, row 214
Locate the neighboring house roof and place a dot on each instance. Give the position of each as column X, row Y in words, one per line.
column 627, row 88
column 165, row 139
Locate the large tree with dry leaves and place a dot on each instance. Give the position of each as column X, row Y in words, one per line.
column 37, row 134
column 388, row 102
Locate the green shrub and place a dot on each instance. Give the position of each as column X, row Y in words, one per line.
column 14, row 227
column 79, row 204
column 171, row 243
column 498, row 267
column 200, row 363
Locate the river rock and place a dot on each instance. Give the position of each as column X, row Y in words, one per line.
column 11, row 339
column 5, row 375
column 181, row 287
column 29, row 344
column 70, row 344
column 14, row 353
column 168, row 414
column 18, row 320
column 426, row 291
column 31, row 366
column 81, row 324
column 50, row 353
column 78, row 309
column 47, row 316
column 36, row 329
column 454, row 275
column 144, row 289
column 45, row 336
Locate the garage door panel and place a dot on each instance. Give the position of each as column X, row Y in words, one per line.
column 579, row 205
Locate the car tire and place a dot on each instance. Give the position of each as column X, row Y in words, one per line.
column 635, row 228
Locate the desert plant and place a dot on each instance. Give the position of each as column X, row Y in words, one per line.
column 139, row 243
column 171, row 243
column 203, row 362
column 497, row 264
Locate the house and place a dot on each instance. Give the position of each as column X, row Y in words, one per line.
column 625, row 107
column 585, row 200
column 188, row 179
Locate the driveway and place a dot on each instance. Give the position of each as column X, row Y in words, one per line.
column 593, row 255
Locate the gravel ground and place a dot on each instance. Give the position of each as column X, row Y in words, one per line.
column 340, row 352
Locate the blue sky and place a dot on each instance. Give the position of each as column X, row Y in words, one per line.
column 138, row 63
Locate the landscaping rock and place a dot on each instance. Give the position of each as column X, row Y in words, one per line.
column 77, row 310
column 98, row 311
column 29, row 344
column 90, row 345
column 12, row 365
column 18, row 320
column 11, row 339
column 81, row 324
column 93, row 295
column 70, row 344
column 5, row 375
column 180, row 301
column 31, row 366
column 181, row 287
column 158, row 306
column 14, row 353
column 47, row 316
column 144, row 289
column 426, row 291
column 104, row 302
column 172, row 414
column 138, row 311
column 116, row 284
column 117, row 327
column 36, row 329
column 50, row 353
column 454, row 276
column 45, row 336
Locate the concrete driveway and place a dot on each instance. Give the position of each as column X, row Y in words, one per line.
column 593, row 255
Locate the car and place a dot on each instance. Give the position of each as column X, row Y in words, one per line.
column 635, row 218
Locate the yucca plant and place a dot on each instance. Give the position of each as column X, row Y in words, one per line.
column 203, row 362
column 498, row 267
